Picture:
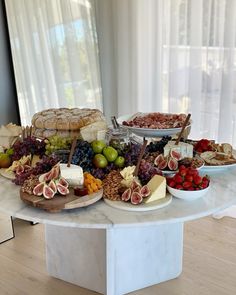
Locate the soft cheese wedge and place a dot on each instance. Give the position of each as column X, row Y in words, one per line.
column 157, row 186
column 185, row 149
column 73, row 174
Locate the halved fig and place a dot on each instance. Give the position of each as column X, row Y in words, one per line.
column 38, row 189
column 137, row 189
column 136, row 198
column 126, row 195
column 159, row 159
column 175, row 155
column 63, row 182
column 48, row 193
column 47, row 176
column 19, row 169
column 55, row 172
column 52, row 185
column 135, row 184
column 62, row 189
column 163, row 164
column 172, row 164
column 145, row 191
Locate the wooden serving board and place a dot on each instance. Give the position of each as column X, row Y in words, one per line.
column 59, row 202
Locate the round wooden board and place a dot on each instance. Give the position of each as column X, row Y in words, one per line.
column 59, row 202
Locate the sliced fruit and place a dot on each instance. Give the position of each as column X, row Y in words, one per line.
column 52, row 185
column 47, row 176
column 134, row 185
column 63, row 182
column 20, row 169
column 62, row 189
column 136, row 198
column 145, row 191
column 172, row 164
column 55, row 172
column 163, row 164
column 48, row 193
column 38, row 189
column 137, row 189
column 159, row 159
column 175, row 154
column 126, row 195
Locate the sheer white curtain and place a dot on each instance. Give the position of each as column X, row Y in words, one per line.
column 171, row 56
column 55, row 54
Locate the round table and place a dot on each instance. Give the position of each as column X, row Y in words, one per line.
column 116, row 252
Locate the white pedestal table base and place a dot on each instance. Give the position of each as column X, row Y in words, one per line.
column 115, row 261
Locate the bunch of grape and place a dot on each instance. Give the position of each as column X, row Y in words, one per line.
column 41, row 167
column 102, row 172
column 158, row 146
column 55, row 143
column 131, row 154
column 147, row 171
column 83, row 155
column 29, row 145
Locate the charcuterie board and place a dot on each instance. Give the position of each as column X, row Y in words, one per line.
column 59, row 202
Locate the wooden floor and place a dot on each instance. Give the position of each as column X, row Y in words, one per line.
column 209, row 263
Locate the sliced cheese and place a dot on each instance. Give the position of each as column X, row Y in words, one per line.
column 185, row 149
column 157, row 186
column 73, row 174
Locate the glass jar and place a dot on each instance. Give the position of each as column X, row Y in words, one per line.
column 118, row 138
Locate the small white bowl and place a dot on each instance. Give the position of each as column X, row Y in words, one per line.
column 187, row 195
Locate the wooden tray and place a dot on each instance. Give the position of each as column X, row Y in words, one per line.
column 59, row 202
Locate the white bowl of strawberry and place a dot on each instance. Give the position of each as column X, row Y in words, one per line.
column 188, row 184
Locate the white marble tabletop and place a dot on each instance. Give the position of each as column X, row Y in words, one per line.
column 221, row 195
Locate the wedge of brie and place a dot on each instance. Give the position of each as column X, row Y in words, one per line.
column 73, row 174
column 185, row 149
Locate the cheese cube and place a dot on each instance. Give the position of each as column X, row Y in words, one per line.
column 157, row 186
column 73, row 174
column 185, row 149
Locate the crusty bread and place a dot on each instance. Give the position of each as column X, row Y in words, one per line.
column 66, row 119
column 227, row 148
column 66, row 122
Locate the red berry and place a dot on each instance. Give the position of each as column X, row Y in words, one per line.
column 171, row 183
column 182, row 167
column 179, row 186
column 191, row 188
column 192, row 171
column 204, row 185
column 187, row 184
column 189, row 178
column 183, row 172
column 197, row 179
column 178, row 178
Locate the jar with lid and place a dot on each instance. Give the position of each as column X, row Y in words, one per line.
column 118, row 138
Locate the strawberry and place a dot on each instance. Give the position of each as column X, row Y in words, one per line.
column 183, row 172
column 182, row 167
column 191, row 188
column 192, row 171
column 189, row 178
column 178, row 178
column 187, row 184
column 204, row 185
column 197, row 179
column 179, row 186
column 171, row 183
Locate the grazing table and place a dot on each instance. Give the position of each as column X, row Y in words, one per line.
column 113, row 251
